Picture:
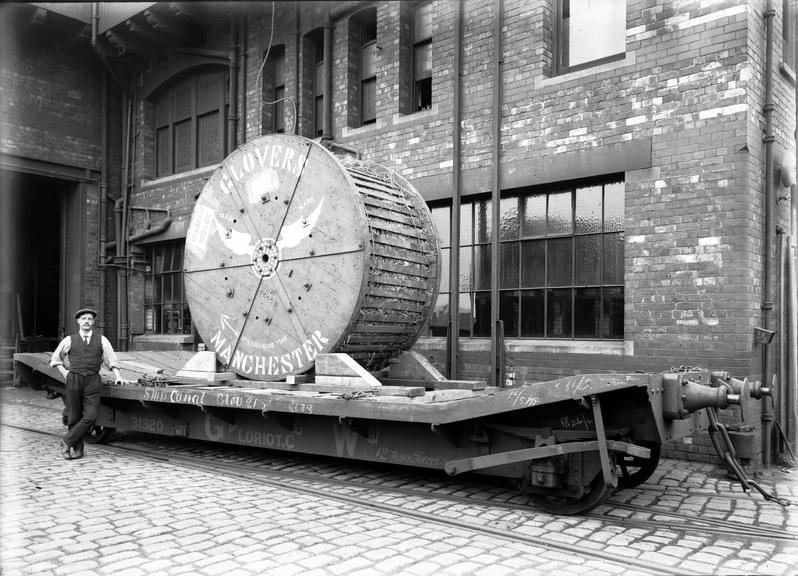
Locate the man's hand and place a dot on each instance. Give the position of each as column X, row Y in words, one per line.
column 120, row 382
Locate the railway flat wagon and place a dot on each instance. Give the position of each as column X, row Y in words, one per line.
column 309, row 279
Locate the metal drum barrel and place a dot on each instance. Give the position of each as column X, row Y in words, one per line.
column 292, row 252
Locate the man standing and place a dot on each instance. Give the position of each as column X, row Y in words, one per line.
column 86, row 351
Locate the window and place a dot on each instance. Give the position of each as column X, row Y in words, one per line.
column 589, row 32
column 561, row 263
column 191, row 123
column 422, row 57
column 789, row 30
column 274, row 91
column 365, row 23
column 439, row 319
column 165, row 307
column 317, row 79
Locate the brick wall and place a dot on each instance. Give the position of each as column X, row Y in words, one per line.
column 688, row 91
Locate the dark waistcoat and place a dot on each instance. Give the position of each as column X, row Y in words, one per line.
column 86, row 359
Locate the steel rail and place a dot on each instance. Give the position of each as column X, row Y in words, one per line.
column 686, row 524
column 248, row 473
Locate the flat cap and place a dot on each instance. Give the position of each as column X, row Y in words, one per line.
column 83, row 311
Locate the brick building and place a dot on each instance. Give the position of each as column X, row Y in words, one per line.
column 641, row 155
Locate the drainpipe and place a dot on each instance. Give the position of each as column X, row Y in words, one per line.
column 328, row 107
column 767, row 303
column 453, row 363
column 242, row 78
column 792, row 383
column 297, row 69
column 232, row 114
column 496, row 326
column 103, row 196
column 121, row 245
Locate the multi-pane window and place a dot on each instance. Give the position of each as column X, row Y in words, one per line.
column 190, row 123
column 789, row 31
column 560, row 269
column 589, row 32
column 422, row 57
column 368, row 65
column 165, row 307
column 439, row 320
column 317, row 41
column 274, row 90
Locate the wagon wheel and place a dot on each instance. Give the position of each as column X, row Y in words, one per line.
column 633, row 470
column 595, row 493
column 99, row 435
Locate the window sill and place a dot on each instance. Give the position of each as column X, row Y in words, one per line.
column 630, row 59
column 181, row 176
column 347, row 132
column 420, row 116
column 518, row 346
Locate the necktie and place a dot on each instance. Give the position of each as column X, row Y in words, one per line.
column 86, row 339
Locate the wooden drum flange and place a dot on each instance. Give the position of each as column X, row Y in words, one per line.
column 292, row 253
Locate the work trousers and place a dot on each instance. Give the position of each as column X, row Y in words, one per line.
column 81, row 406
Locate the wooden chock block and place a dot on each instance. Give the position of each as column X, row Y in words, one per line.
column 343, row 369
column 203, row 367
column 201, row 362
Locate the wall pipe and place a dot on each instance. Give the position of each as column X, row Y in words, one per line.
column 328, row 107
column 792, row 383
column 767, row 303
column 792, row 386
column 120, row 207
column 232, row 111
column 103, row 196
column 297, row 69
column 782, row 331
column 496, row 328
column 243, row 46
column 453, row 352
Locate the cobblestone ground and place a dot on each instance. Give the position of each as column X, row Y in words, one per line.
column 111, row 514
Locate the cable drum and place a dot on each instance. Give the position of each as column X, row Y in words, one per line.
column 292, row 252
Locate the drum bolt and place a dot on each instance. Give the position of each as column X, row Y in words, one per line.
column 264, row 198
column 244, row 313
column 311, row 252
column 307, row 286
column 221, row 265
column 241, row 209
column 290, row 309
column 285, row 201
column 304, row 222
column 230, row 293
column 290, row 272
column 268, row 321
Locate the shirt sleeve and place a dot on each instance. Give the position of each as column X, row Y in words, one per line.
column 109, row 356
column 62, row 350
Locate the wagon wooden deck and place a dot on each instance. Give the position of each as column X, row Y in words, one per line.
column 153, row 377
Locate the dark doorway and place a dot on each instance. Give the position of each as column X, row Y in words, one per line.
column 31, row 238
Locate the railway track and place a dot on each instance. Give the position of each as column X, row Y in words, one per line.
column 395, row 502
column 478, row 507
column 505, row 499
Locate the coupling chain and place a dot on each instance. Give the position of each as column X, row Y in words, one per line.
column 727, row 453
column 354, row 394
column 152, row 380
